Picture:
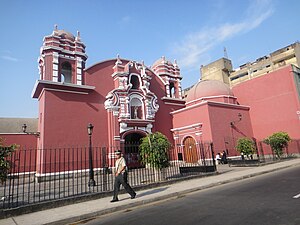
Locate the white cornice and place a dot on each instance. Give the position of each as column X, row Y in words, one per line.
column 83, row 88
column 64, row 51
column 210, row 97
column 195, row 125
column 170, row 103
column 228, row 105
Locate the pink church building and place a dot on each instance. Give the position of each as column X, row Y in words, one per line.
column 125, row 100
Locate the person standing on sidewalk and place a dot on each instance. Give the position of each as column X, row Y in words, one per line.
column 121, row 177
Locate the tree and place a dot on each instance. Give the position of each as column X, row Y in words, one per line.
column 278, row 141
column 153, row 150
column 5, row 152
column 246, row 146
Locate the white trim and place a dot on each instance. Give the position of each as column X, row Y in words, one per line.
column 229, row 105
column 73, row 92
column 66, row 172
column 64, row 84
column 170, row 103
column 189, row 107
column 164, row 98
column 187, row 127
column 209, row 97
column 220, row 96
column 64, row 51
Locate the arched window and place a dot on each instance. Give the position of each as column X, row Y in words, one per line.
column 136, row 111
column 172, row 90
column 66, row 73
column 134, row 80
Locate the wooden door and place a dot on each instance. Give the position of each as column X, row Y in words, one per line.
column 190, row 150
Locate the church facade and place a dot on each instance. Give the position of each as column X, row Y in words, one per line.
column 123, row 99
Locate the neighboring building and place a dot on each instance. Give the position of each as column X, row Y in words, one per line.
column 218, row 70
column 289, row 55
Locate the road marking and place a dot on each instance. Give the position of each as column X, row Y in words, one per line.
column 297, row 196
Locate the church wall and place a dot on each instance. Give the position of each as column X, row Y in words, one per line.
column 26, row 149
column 67, row 116
column 24, row 141
column 274, row 103
column 48, row 67
column 100, row 76
column 223, row 133
column 163, row 120
column 192, row 116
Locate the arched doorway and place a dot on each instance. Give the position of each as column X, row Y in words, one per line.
column 190, row 150
column 131, row 148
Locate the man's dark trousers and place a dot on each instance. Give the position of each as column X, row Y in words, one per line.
column 122, row 179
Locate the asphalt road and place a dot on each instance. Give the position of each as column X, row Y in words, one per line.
column 272, row 199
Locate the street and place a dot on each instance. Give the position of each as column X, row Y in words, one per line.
column 273, row 198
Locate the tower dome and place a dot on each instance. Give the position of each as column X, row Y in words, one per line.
column 208, row 88
column 162, row 61
column 65, row 34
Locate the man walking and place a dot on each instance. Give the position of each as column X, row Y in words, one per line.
column 121, row 177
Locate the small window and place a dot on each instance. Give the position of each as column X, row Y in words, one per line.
column 134, row 80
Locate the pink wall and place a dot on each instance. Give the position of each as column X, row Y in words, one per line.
column 23, row 159
column 23, row 140
column 274, row 103
column 66, row 118
column 223, row 134
column 163, row 120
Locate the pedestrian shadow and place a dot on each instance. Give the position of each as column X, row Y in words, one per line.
column 154, row 191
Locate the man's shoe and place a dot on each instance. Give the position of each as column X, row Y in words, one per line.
column 114, row 200
column 133, row 196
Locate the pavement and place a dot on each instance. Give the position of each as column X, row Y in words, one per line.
column 82, row 211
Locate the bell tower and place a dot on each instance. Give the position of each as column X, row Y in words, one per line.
column 170, row 73
column 61, row 80
column 62, row 58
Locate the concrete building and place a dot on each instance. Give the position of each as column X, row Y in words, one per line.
column 289, row 55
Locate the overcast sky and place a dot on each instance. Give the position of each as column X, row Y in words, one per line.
column 195, row 32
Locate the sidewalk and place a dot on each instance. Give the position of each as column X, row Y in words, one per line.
column 84, row 210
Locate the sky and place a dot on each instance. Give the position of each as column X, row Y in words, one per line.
column 194, row 32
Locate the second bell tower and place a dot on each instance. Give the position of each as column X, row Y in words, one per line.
column 62, row 58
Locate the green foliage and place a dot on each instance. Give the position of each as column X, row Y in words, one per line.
column 278, row 141
column 246, row 146
column 153, row 150
column 5, row 152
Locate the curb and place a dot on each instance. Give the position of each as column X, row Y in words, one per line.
column 88, row 216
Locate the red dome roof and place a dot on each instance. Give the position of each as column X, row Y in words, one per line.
column 207, row 88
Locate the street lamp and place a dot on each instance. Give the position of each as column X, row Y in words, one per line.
column 233, row 122
column 24, row 127
column 90, row 132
